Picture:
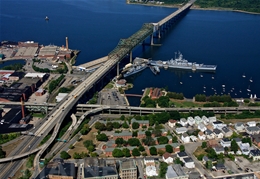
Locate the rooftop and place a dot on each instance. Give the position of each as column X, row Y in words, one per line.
column 127, row 164
column 96, row 171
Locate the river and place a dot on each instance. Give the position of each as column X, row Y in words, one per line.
column 227, row 39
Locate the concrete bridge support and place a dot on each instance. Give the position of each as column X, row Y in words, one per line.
column 131, row 56
column 151, row 36
column 117, row 70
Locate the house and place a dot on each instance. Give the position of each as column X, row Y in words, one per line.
column 181, row 130
column 225, row 142
column 202, row 127
column 140, row 122
column 185, row 138
column 167, row 158
column 256, row 139
column 151, row 171
column 182, row 155
column 201, row 136
column 124, row 134
column 193, row 138
column 175, row 172
column 218, row 125
column 210, row 127
column 255, row 154
column 212, row 143
column 226, row 131
column 253, row 130
column 172, row 123
column 218, row 133
column 244, row 147
column 209, row 134
column 238, row 141
column 205, row 120
column 183, row 122
column 251, row 123
column 198, row 120
column 219, row 149
column 212, row 119
column 141, row 134
column 155, row 93
column 239, row 126
column 205, row 159
column 220, row 166
column 191, row 121
column 188, row 162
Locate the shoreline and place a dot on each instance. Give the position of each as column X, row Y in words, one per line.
column 194, row 7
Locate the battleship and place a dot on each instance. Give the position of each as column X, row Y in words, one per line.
column 135, row 69
column 180, row 63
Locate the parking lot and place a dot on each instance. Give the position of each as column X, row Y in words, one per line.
column 111, row 97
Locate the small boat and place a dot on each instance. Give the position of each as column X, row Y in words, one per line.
column 251, row 80
column 204, row 87
column 46, row 18
column 142, row 90
column 240, row 91
column 223, row 86
column 243, row 75
column 248, row 90
column 201, row 76
column 235, row 94
column 180, row 82
column 213, row 77
column 204, row 91
column 190, row 76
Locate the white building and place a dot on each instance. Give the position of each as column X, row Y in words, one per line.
column 218, row 133
column 175, row 172
column 181, row 130
column 198, row 120
column 253, row 130
column 148, row 160
column 209, row 134
column 183, row 122
column 205, row 120
column 188, row 162
column 255, row 154
column 227, row 132
column 212, row 119
column 191, row 121
column 239, row 126
column 244, row 147
column 172, row 123
column 201, row 136
column 151, row 171
column 193, row 138
column 167, row 158
column 202, row 127
column 225, row 142
column 219, row 150
column 218, row 125
column 251, row 123
column 185, row 138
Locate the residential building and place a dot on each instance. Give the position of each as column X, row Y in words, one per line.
column 95, row 168
column 193, row 138
column 181, row 130
column 172, row 123
column 212, row 119
column 175, row 172
column 253, row 130
column 185, row 138
column 256, row 139
column 255, row 154
column 212, row 143
column 188, row 162
column 209, row 134
column 244, row 147
column 218, row 125
column 226, row 131
column 198, row 120
column 140, row 122
column 183, row 122
column 239, row 126
column 251, row 123
column 127, row 169
column 205, row 159
column 167, row 158
column 238, row 141
column 202, row 127
column 58, row 169
column 225, row 142
column 201, row 136
column 182, row 155
column 218, row 133
column 191, row 121
column 219, row 149
column 205, row 120
column 155, row 93
column 124, row 134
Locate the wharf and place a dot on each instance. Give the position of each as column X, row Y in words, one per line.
column 93, row 63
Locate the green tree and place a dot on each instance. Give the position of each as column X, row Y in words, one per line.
column 148, row 134
column 163, row 169
column 163, row 140
column 153, row 151
column 126, row 152
column 209, row 165
column 119, row 141
column 148, row 141
column 204, row 145
column 116, row 125
column 135, row 134
column 163, row 101
column 169, row 148
column 234, row 146
column 182, row 148
column 136, row 152
column 102, row 137
column 200, row 157
column 174, row 139
column 133, row 142
column 141, row 148
column 100, row 126
column 2, row 153
column 117, row 153
column 109, row 126
column 178, row 161
column 247, row 140
column 135, row 125
column 65, row 155
column 125, row 125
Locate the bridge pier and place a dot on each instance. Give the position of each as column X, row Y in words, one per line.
column 117, row 70
column 151, row 36
column 131, row 56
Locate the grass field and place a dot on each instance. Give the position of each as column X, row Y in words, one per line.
column 183, row 103
column 199, row 151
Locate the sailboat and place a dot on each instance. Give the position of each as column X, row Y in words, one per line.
column 251, row 80
column 248, row 89
column 46, row 18
column 243, row 75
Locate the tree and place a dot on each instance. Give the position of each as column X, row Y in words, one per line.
column 200, row 157
column 122, row 118
column 153, row 151
column 178, row 161
column 141, row 148
column 135, row 133
column 163, row 101
column 135, row 125
column 125, row 125
column 102, row 137
column 174, row 139
column 100, row 126
column 119, row 141
column 109, row 126
column 234, row 146
column 65, row 155
column 133, row 142
column 117, row 153
column 209, row 165
column 2, row 153
column 211, row 153
column 163, row 169
column 126, row 152
column 148, row 134
column 116, row 125
column 204, row 145
column 157, row 132
column 169, row 148
column 247, row 140
column 160, row 152
column 163, row 140
column 148, row 141
column 182, row 148
column 88, row 143
column 136, row 152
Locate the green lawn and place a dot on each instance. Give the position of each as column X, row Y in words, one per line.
column 186, row 104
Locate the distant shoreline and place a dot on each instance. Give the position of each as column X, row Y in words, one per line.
column 196, row 8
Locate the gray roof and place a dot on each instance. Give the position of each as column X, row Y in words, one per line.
column 171, row 172
column 185, row 134
column 123, row 133
column 139, row 121
column 96, row 171
column 216, row 131
column 225, row 129
column 182, row 154
column 127, row 164
column 226, row 140
column 187, row 159
column 219, row 149
column 255, row 152
column 208, row 132
column 253, row 129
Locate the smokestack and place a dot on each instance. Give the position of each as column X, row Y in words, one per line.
column 22, row 106
column 67, row 43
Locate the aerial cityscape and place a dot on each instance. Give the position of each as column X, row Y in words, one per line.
column 129, row 89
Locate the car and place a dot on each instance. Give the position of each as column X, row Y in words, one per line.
column 239, row 168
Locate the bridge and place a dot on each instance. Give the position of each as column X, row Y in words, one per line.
column 57, row 115
column 134, row 95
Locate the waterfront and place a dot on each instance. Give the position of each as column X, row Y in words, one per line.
column 229, row 40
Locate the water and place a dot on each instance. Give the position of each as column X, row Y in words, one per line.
column 229, row 40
